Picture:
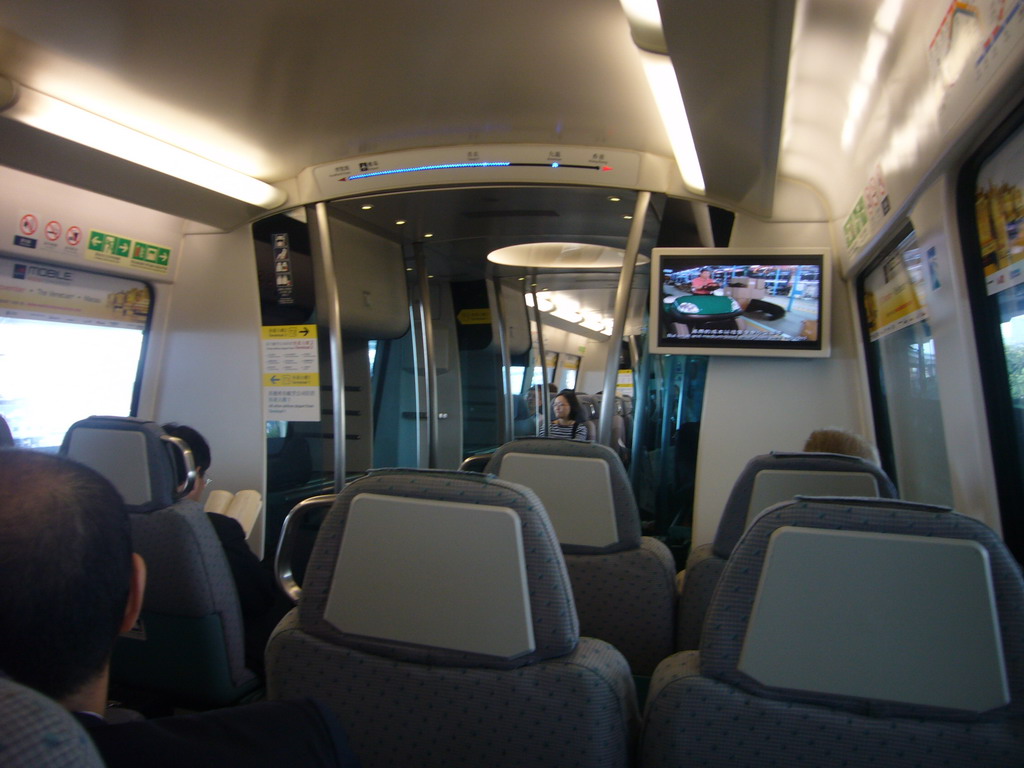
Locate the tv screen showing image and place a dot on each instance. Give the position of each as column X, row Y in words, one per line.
column 740, row 301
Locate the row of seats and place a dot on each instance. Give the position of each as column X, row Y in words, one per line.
column 624, row 583
column 439, row 616
column 438, row 621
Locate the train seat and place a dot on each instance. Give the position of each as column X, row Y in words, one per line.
column 35, row 731
column 851, row 631
column 189, row 644
column 591, row 413
column 619, row 435
column 523, row 422
column 437, row 620
column 766, row 480
column 623, row 582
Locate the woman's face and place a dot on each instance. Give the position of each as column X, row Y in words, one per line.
column 561, row 407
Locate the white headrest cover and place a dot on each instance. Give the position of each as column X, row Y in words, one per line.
column 774, row 485
column 432, row 573
column 576, row 492
column 889, row 617
column 121, row 456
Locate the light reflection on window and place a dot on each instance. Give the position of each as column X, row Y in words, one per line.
column 52, row 374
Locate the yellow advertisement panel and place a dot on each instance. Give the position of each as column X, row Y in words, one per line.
column 36, row 291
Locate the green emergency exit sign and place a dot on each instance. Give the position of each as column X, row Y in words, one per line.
column 103, row 242
column 151, row 254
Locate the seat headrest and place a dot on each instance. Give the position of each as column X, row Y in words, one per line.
column 467, row 566
column 773, row 477
column 584, row 488
column 133, row 454
column 880, row 607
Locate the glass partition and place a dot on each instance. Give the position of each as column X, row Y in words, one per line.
column 901, row 361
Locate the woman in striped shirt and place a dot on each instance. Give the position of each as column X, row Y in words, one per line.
column 567, row 422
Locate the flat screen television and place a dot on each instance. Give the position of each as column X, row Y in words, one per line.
column 740, row 301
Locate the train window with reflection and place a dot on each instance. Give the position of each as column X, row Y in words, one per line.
column 71, row 342
column 901, row 365
column 990, row 199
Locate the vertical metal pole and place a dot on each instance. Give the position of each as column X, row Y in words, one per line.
column 542, row 396
column 329, row 309
column 508, row 429
column 429, row 364
column 641, row 414
column 604, row 424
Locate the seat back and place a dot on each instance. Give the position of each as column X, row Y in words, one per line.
column 189, row 642
column 35, row 731
column 436, row 606
column 619, row 437
column 767, row 480
column 895, row 626
column 590, row 414
column 623, row 582
column 6, row 438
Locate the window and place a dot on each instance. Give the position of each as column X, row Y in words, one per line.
column 905, row 387
column 990, row 199
column 70, row 346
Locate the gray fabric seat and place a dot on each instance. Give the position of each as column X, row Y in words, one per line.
column 623, row 582
column 36, row 731
column 189, row 643
column 437, row 621
column 855, row 632
column 766, row 480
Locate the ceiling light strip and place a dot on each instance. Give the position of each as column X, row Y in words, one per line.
column 59, row 118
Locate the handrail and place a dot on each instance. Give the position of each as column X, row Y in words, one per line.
column 286, row 543
column 184, row 488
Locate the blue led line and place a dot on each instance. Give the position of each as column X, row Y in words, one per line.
column 429, row 168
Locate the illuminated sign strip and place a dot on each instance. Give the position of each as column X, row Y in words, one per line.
column 447, row 166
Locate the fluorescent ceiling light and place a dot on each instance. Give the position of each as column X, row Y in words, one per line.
column 645, row 26
column 661, row 75
column 61, row 119
column 561, row 255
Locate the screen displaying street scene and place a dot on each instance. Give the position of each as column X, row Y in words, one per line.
column 731, row 301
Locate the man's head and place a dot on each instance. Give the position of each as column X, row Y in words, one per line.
column 69, row 582
column 200, row 455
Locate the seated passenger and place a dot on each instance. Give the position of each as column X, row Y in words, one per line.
column 262, row 602
column 836, row 440
column 566, row 422
column 70, row 584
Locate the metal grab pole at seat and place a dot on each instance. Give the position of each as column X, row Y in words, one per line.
column 508, row 427
column 607, row 415
column 429, row 364
column 541, row 397
column 327, row 298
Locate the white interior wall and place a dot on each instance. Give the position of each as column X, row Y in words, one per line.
column 590, row 378
column 754, row 405
column 210, row 375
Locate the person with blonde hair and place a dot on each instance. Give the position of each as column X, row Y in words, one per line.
column 837, row 440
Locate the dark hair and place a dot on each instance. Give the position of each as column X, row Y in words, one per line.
column 196, row 442
column 66, row 554
column 575, row 409
column 6, row 438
